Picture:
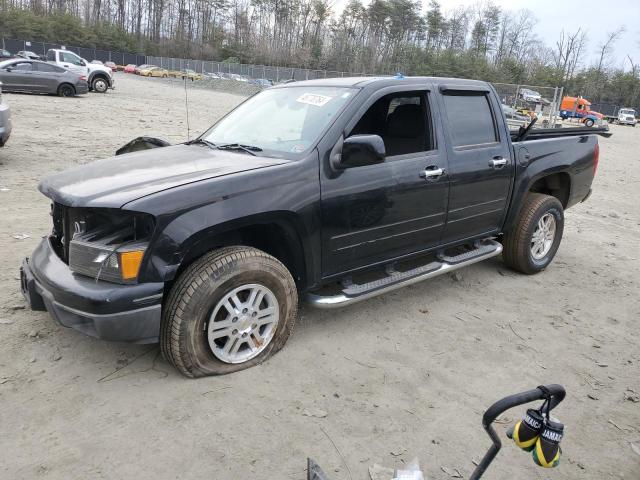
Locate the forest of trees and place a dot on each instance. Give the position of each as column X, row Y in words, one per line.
column 384, row 36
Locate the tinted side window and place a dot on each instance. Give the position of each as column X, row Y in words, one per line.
column 470, row 119
column 402, row 120
column 45, row 67
column 51, row 56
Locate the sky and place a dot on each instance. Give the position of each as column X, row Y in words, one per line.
column 597, row 17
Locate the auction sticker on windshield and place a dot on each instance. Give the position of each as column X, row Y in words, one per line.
column 314, row 99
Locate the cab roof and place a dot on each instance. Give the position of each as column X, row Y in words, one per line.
column 361, row 82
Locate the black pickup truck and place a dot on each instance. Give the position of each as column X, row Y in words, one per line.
column 330, row 190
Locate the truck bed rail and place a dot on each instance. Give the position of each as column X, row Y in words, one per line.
column 538, row 133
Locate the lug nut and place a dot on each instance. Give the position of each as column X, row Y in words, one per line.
column 254, row 314
column 235, row 332
column 244, row 310
column 235, row 319
column 244, row 334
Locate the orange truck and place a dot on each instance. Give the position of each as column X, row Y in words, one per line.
column 578, row 107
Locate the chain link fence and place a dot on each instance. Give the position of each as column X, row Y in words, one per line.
column 245, row 71
column 40, row 48
column 522, row 102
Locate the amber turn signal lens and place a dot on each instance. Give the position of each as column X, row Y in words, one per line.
column 130, row 264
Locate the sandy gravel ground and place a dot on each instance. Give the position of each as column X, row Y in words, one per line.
column 401, row 376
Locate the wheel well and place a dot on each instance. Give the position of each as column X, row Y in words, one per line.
column 557, row 185
column 66, row 84
column 278, row 240
column 102, row 75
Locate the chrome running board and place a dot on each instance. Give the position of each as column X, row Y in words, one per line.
column 352, row 293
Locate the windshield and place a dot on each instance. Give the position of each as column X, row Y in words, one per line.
column 627, row 111
column 287, row 120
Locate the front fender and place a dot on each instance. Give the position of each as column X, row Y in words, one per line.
column 189, row 216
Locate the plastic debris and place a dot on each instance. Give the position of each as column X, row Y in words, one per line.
column 314, row 412
column 410, row 472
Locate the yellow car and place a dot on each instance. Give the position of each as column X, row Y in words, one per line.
column 154, row 72
column 175, row 73
column 190, row 75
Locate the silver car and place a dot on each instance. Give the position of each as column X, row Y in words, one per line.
column 34, row 76
column 5, row 120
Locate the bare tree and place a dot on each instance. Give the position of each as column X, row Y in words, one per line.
column 605, row 49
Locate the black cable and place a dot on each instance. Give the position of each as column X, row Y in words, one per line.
column 186, row 104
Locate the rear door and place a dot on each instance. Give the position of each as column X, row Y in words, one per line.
column 480, row 162
column 374, row 213
column 48, row 76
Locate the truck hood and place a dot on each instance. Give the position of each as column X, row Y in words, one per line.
column 116, row 181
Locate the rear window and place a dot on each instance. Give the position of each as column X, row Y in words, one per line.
column 471, row 121
column 46, row 67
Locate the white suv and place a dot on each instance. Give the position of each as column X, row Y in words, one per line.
column 99, row 77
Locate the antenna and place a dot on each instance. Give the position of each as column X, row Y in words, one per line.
column 186, row 105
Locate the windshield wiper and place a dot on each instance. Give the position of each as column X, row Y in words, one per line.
column 237, row 146
column 202, row 141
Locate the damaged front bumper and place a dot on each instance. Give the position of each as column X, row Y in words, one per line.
column 122, row 313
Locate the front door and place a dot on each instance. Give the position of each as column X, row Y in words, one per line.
column 18, row 76
column 73, row 62
column 480, row 164
column 374, row 213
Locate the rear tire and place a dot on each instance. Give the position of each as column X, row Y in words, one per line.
column 588, row 122
column 207, row 300
column 528, row 248
column 66, row 90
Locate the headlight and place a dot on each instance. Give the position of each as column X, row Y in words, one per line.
column 108, row 244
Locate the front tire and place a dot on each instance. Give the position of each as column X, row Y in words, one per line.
column 531, row 244
column 100, row 85
column 229, row 310
column 589, row 122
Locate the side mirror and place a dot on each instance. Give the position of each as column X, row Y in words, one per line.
column 360, row 150
column 9, row 69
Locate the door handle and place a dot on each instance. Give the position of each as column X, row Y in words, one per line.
column 432, row 172
column 497, row 162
